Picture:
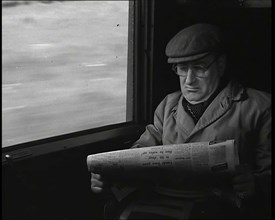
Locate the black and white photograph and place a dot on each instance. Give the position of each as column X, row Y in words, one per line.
column 136, row 109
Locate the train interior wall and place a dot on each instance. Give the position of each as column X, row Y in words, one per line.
column 247, row 33
column 57, row 185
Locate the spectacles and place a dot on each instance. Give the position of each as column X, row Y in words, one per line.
column 198, row 70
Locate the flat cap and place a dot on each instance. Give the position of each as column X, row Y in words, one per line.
column 194, row 42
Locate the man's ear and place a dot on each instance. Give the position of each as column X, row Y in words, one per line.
column 222, row 64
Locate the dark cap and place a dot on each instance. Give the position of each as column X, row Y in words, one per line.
column 193, row 43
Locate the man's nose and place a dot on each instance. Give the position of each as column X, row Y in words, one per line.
column 189, row 77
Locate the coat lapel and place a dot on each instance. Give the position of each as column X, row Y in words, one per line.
column 184, row 121
column 218, row 107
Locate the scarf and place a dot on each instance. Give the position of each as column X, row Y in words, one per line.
column 197, row 110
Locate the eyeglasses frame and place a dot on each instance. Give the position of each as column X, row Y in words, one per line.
column 206, row 68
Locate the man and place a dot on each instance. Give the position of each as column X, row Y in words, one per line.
column 211, row 107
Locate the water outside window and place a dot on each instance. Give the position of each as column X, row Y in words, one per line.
column 64, row 67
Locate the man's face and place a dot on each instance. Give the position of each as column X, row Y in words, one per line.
column 199, row 79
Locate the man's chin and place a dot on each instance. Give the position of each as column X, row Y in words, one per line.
column 193, row 99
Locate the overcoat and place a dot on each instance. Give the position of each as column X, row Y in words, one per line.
column 238, row 113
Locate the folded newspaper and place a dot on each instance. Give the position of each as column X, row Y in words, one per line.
column 212, row 157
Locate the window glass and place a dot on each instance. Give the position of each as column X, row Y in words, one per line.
column 64, row 67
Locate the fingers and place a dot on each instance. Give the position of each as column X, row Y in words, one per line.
column 97, row 183
column 96, row 189
column 96, row 176
column 96, row 179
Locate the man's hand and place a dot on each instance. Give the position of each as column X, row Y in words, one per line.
column 244, row 181
column 98, row 183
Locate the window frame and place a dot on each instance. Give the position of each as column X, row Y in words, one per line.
column 139, row 95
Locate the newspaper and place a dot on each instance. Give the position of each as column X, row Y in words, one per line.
column 212, row 157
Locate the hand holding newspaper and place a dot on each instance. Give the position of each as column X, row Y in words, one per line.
column 198, row 158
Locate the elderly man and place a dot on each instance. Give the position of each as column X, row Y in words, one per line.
column 211, row 107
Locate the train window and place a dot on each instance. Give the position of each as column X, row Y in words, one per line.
column 66, row 68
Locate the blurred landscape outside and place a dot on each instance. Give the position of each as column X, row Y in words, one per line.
column 64, row 67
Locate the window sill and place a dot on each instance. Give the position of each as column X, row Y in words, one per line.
column 125, row 132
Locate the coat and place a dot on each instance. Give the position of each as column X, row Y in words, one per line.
column 238, row 113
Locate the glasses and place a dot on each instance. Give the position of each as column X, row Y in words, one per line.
column 198, row 70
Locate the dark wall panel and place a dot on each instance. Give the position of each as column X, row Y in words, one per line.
column 247, row 32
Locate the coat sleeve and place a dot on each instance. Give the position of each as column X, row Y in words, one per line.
column 152, row 135
column 263, row 159
column 259, row 206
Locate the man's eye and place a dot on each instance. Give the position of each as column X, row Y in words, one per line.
column 198, row 68
column 183, row 68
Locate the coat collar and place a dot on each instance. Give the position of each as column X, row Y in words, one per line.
column 221, row 103
column 184, row 121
